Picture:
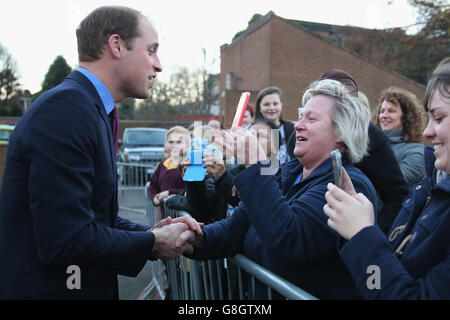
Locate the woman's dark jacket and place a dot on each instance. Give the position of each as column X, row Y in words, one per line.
column 381, row 167
column 280, row 225
column 414, row 261
column 207, row 201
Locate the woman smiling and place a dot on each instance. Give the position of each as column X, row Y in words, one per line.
column 279, row 223
column 414, row 261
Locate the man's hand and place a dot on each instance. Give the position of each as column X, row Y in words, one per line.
column 193, row 225
column 161, row 224
column 166, row 245
column 191, row 238
column 191, row 222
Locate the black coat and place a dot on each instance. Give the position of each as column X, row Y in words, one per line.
column 382, row 168
column 207, row 201
column 58, row 202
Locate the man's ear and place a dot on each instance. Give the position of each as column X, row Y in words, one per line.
column 114, row 45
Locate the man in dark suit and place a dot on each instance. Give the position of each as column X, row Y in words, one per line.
column 60, row 235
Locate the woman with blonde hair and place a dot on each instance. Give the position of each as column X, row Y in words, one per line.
column 399, row 115
column 167, row 180
column 279, row 222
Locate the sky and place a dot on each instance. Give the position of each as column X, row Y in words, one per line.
column 36, row 32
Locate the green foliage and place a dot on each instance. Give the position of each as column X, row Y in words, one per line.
column 254, row 18
column 56, row 73
column 9, row 82
column 126, row 109
column 422, row 52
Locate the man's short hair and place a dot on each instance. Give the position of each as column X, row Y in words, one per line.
column 94, row 31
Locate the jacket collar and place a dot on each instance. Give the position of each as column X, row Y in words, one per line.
column 291, row 170
column 430, row 170
column 395, row 136
column 92, row 91
column 87, row 84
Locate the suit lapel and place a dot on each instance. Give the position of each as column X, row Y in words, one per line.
column 80, row 78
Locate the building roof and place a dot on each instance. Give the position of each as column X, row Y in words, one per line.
column 317, row 29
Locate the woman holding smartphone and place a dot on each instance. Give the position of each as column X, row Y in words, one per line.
column 413, row 262
column 279, row 222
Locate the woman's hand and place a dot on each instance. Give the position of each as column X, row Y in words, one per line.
column 348, row 212
column 242, row 144
column 160, row 197
column 184, row 165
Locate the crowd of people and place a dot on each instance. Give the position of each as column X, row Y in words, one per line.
column 290, row 223
column 58, row 202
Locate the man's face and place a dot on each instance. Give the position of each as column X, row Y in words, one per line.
column 140, row 65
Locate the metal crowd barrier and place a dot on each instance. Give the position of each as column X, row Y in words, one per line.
column 134, row 174
column 220, row 279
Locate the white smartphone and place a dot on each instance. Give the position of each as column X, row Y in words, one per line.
column 337, row 168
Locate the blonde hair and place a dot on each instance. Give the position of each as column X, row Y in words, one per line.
column 363, row 98
column 205, row 132
column 350, row 118
column 181, row 130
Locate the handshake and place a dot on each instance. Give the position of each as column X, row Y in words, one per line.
column 174, row 237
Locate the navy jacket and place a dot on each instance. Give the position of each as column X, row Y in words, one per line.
column 414, row 261
column 58, row 202
column 281, row 226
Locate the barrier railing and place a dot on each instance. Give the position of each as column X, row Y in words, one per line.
column 134, row 174
column 219, row 279
column 187, row 279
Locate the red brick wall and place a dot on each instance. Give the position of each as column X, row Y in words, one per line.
column 249, row 60
column 8, row 120
column 293, row 58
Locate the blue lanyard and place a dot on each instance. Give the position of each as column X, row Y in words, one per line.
column 300, row 176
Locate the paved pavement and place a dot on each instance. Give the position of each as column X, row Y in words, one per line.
column 131, row 287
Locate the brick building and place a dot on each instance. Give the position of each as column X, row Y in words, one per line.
column 290, row 54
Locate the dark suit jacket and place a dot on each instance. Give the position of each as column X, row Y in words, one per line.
column 58, row 202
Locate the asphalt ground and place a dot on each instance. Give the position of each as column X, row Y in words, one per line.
column 133, row 204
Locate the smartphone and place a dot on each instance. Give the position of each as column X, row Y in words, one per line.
column 337, row 168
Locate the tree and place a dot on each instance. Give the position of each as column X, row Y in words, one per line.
column 254, row 18
column 126, row 109
column 9, row 81
column 423, row 51
column 56, row 73
column 186, row 92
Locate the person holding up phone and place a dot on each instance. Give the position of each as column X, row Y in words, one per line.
column 279, row 222
column 413, row 262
